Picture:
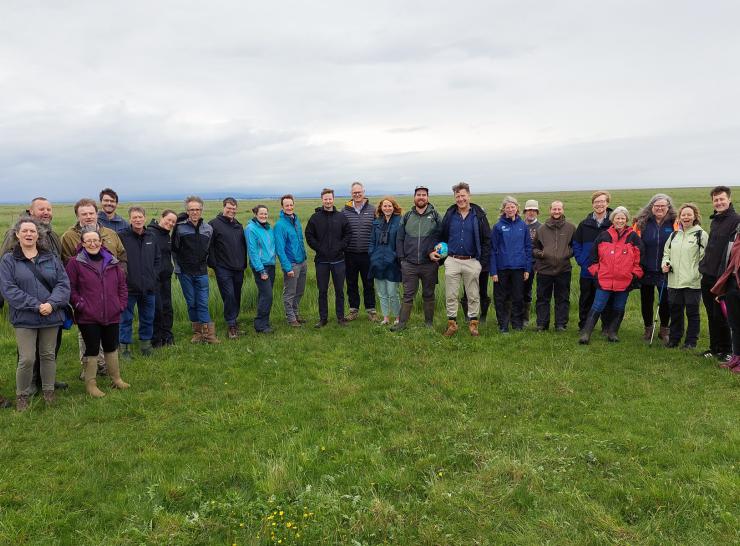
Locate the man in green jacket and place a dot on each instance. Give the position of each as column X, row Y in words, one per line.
column 418, row 234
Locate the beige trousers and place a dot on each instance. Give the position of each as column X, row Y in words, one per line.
column 468, row 272
column 26, row 339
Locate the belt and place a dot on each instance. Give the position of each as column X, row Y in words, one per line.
column 461, row 257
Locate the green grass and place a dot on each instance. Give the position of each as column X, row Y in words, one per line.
column 361, row 436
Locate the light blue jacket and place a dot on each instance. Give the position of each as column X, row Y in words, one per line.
column 289, row 241
column 260, row 245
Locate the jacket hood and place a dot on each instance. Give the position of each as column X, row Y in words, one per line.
column 514, row 220
column 108, row 258
column 552, row 223
column 227, row 221
column 266, row 225
column 155, row 225
column 283, row 215
column 430, row 208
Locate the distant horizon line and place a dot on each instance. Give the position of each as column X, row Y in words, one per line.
column 218, row 196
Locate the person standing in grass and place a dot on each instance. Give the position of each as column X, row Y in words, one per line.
column 531, row 214
column 107, row 216
column 682, row 253
column 465, row 230
column 163, row 312
column 36, row 288
column 328, row 234
column 655, row 224
column 99, row 294
column 721, row 236
column 590, row 227
column 385, row 269
column 292, row 253
column 86, row 211
column 553, row 249
column 261, row 251
column 727, row 287
column 191, row 243
column 40, row 209
column 511, row 264
column 143, row 270
column 418, row 234
column 228, row 259
column 615, row 264
column 360, row 216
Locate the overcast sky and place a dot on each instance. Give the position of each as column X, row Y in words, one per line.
column 169, row 97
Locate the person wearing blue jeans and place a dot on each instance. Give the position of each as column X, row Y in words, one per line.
column 144, row 261
column 191, row 243
column 261, row 251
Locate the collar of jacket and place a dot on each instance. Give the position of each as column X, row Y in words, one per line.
column 155, row 225
column 266, row 225
column 321, row 209
column 293, row 218
column 553, row 224
column 228, row 221
column 616, row 236
column 108, row 258
column 510, row 220
column 723, row 214
column 350, row 205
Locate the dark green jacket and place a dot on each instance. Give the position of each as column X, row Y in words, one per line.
column 418, row 234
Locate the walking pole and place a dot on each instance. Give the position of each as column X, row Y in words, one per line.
column 657, row 309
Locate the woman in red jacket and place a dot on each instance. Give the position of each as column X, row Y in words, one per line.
column 99, row 296
column 615, row 263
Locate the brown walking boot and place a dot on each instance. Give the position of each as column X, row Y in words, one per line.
column 451, row 328
column 209, row 333
column 114, row 370
column 197, row 332
column 91, row 372
column 233, row 332
column 664, row 333
column 648, row 332
column 21, row 402
column 473, row 327
column 49, row 397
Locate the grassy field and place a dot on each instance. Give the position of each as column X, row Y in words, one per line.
column 360, row 436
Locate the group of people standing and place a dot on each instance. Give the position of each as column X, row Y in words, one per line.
column 105, row 268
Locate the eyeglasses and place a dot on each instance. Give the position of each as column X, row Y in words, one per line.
column 660, row 206
column 195, row 210
column 91, row 243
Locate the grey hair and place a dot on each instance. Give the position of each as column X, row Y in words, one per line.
column 90, row 229
column 620, row 210
column 42, row 242
column 646, row 213
column 193, row 199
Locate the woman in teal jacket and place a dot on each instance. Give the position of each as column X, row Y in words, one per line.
column 682, row 253
column 261, row 252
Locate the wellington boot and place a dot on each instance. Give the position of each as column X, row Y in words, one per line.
column 91, row 371
column 473, row 327
column 209, row 333
column 428, row 307
column 451, row 328
column 114, row 370
column 126, row 353
column 146, row 347
column 613, row 330
column 197, row 332
column 403, row 317
column 588, row 327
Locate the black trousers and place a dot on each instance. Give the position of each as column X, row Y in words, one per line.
column 163, row 314
column 412, row 274
column 528, row 284
column 96, row 334
column 719, row 332
column 510, row 287
column 559, row 286
column 647, row 300
column 586, row 300
column 358, row 267
column 337, row 271
column 684, row 300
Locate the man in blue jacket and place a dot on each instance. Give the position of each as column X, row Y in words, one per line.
column 465, row 230
column 292, row 253
column 107, row 216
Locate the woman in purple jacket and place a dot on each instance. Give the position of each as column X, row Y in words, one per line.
column 99, row 296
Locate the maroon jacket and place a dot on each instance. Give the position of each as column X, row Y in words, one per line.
column 98, row 297
column 733, row 268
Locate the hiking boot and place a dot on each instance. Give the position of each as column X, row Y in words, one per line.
column 321, row 323
column 352, row 315
column 730, row 364
column 233, row 332
column 49, row 397
column 5, row 403
column 126, row 353
column 21, row 402
column 115, row 371
column 197, row 332
column 372, row 315
column 300, row 319
column 343, row 322
column 451, row 328
column 91, row 370
column 473, row 327
column 209, row 333
column 295, row 324
column 664, row 333
column 648, row 332
column 146, row 347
